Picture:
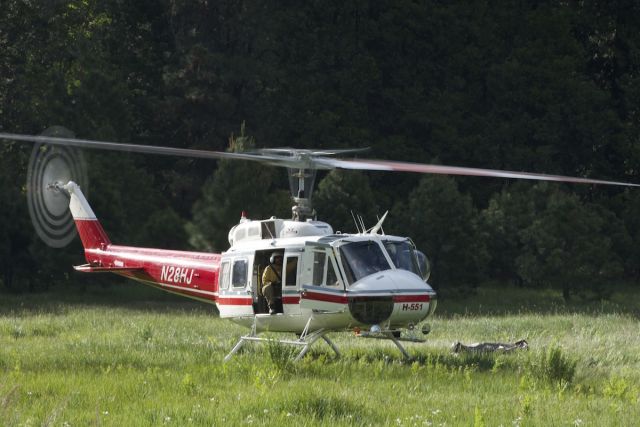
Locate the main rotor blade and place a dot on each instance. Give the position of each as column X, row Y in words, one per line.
column 133, row 148
column 282, row 157
column 384, row 165
column 307, row 159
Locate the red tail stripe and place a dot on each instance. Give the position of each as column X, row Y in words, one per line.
column 92, row 234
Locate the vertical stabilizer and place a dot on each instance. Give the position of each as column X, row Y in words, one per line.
column 91, row 232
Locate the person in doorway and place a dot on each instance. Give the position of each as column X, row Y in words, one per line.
column 272, row 281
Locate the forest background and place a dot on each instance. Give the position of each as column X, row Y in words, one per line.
column 546, row 86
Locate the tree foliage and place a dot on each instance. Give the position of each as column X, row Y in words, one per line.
column 568, row 246
column 452, row 241
column 235, row 187
column 546, row 87
column 509, row 212
column 15, row 229
column 343, row 195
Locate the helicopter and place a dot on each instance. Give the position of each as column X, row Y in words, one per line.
column 369, row 282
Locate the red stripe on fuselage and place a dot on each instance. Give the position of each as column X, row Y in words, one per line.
column 184, row 292
column 291, row 300
column 317, row 296
column 234, row 301
column 248, row 301
column 411, row 298
column 343, row 299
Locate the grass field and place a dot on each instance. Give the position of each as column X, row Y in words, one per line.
column 112, row 357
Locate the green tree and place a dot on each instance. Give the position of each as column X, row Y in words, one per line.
column 343, row 193
column 130, row 205
column 16, row 233
column 510, row 212
column 444, row 224
column 627, row 206
column 93, row 67
column 234, row 187
column 567, row 247
column 546, row 86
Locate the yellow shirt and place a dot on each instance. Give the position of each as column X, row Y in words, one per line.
column 269, row 276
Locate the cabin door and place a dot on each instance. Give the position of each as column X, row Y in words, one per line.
column 290, row 280
column 322, row 287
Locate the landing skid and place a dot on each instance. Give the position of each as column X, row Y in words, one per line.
column 391, row 335
column 305, row 341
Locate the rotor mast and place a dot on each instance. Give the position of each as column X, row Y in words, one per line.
column 301, row 183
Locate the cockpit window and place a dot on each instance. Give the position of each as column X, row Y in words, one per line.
column 360, row 259
column 403, row 255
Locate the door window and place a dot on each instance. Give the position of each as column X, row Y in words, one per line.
column 324, row 269
column 239, row 276
column 319, row 261
column 224, row 275
column 291, row 271
column 332, row 276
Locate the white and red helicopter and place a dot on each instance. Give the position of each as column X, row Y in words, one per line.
column 370, row 282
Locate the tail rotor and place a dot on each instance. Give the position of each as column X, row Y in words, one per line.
column 50, row 167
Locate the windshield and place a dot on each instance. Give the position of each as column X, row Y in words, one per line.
column 403, row 255
column 360, row 259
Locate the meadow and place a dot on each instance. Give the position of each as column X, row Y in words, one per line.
column 128, row 355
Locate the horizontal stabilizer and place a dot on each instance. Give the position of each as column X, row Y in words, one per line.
column 88, row 268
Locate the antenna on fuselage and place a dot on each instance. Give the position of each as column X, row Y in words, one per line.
column 362, row 225
column 355, row 222
column 378, row 226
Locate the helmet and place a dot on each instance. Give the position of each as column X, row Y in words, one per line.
column 274, row 255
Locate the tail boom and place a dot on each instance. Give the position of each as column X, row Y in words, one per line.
column 190, row 274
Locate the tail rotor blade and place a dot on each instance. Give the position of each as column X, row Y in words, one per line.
column 49, row 167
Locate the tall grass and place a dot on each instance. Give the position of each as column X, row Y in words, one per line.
column 154, row 360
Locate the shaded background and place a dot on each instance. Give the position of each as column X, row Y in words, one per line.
column 552, row 87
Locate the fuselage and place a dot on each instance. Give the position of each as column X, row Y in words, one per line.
column 320, row 279
column 329, row 280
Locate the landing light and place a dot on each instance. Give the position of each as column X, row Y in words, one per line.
column 375, row 329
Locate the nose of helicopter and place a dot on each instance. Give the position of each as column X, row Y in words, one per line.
column 395, row 296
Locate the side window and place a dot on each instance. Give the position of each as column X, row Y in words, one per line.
column 239, row 276
column 291, row 271
column 324, row 270
column 224, row 275
column 332, row 277
column 319, row 261
column 268, row 230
